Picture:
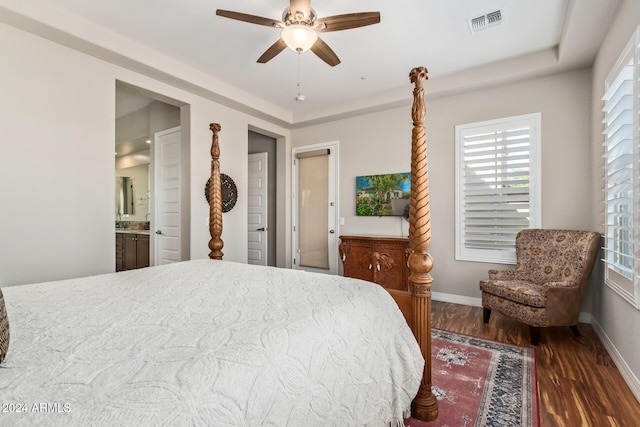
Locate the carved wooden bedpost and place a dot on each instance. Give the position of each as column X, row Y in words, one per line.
column 425, row 404
column 215, row 197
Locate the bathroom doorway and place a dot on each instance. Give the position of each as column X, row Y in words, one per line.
column 141, row 114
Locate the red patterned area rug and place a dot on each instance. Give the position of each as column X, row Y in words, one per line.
column 481, row 383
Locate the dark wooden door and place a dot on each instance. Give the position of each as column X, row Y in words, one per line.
column 130, row 252
column 119, row 249
column 142, row 251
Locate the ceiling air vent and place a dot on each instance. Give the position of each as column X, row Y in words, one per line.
column 482, row 22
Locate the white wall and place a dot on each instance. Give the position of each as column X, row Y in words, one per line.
column 380, row 143
column 57, row 113
column 56, row 167
column 617, row 320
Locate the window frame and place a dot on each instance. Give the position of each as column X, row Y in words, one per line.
column 504, row 255
column 625, row 284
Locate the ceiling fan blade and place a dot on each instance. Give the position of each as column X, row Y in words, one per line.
column 249, row 18
column 303, row 6
column 325, row 53
column 270, row 53
column 347, row 21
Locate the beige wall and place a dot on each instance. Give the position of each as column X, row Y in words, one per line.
column 56, row 171
column 57, row 164
column 380, row 143
column 617, row 321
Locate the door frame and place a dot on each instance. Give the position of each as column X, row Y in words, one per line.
column 334, row 222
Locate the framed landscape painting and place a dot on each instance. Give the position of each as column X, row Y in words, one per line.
column 382, row 195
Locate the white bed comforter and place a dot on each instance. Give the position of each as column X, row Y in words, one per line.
column 207, row 343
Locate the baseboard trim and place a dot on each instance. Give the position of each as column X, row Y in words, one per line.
column 628, row 375
column 584, row 317
column 477, row 302
column 456, row 299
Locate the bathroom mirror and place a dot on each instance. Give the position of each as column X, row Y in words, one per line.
column 124, row 195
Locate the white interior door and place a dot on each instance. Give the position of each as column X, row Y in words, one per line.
column 315, row 195
column 167, row 196
column 257, row 209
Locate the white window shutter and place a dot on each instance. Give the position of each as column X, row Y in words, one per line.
column 497, row 170
column 621, row 112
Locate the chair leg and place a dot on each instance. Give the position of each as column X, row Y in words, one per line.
column 486, row 313
column 534, row 333
column 574, row 329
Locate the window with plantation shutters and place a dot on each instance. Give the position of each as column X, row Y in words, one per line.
column 622, row 174
column 497, row 186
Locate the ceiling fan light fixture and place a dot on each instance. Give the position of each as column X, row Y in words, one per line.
column 299, row 37
column 299, row 29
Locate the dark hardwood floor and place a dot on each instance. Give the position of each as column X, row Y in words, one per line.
column 578, row 383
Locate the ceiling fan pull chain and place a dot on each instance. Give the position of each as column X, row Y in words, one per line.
column 300, row 96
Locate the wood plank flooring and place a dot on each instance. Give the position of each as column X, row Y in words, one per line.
column 578, row 383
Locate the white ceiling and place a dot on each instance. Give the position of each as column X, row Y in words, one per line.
column 537, row 36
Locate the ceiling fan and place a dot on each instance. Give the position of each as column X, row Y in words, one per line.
column 300, row 27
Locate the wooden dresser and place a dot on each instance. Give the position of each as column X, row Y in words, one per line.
column 382, row 260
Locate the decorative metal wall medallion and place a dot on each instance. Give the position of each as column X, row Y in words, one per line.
column 229, row 192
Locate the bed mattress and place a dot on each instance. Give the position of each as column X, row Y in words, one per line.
column 207, row 343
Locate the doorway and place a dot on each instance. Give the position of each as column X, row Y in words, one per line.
column 264, row 241
column 140, row 114
column 168, row 195
column 257, row 210
column 315, row 210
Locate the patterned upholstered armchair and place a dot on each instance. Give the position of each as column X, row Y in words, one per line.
column 549, row 281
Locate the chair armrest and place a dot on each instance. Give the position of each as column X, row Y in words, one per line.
column 561, row 284
column 506, row 275
column 563, row 302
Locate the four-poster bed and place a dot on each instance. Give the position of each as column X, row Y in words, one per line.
column 221, row 343
column 425, row 405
